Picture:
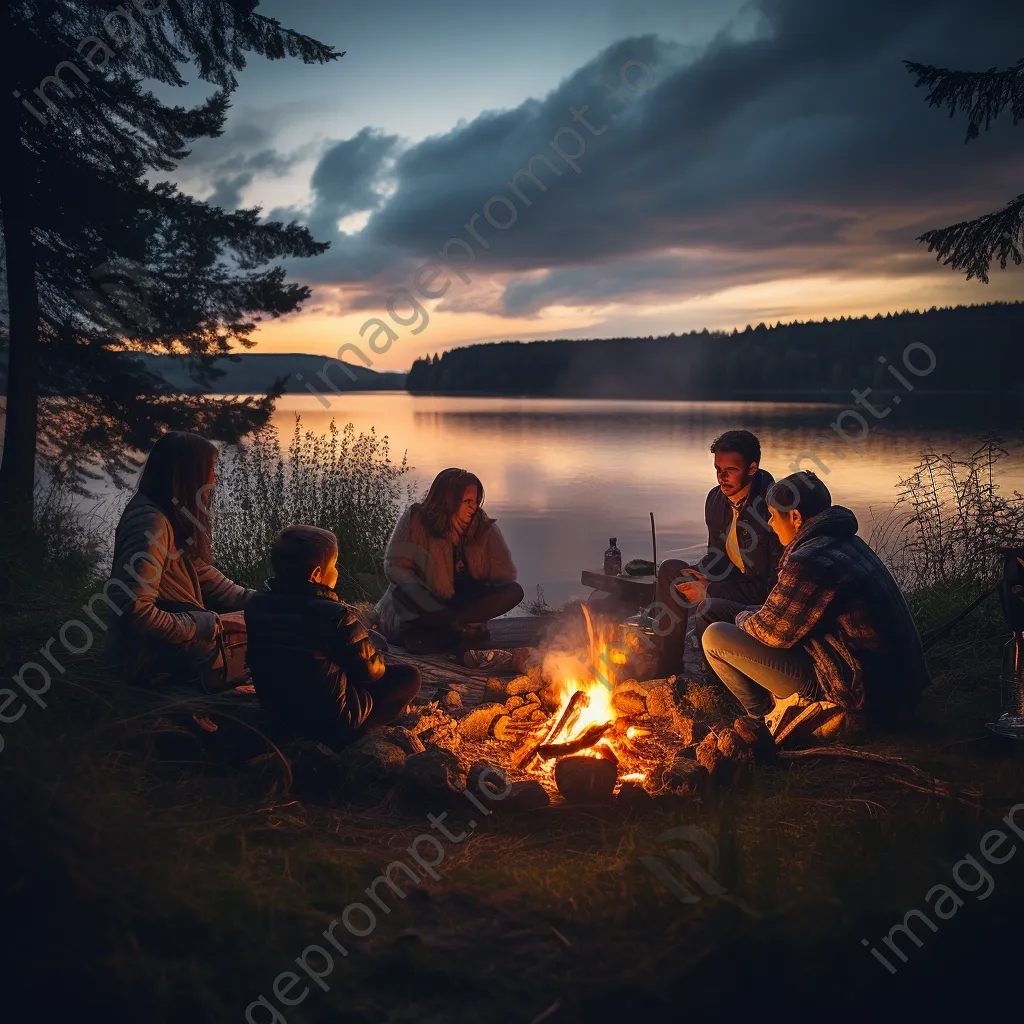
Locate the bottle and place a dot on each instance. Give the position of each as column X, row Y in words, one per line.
column 612, row 559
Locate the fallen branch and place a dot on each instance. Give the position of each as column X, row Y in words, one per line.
column 926, row 783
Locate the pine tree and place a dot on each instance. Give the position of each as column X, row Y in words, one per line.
column 100, row 264
column 972, row 245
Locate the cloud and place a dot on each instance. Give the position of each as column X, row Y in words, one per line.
column 230, row 163
column 793, row 143
column 227, row 192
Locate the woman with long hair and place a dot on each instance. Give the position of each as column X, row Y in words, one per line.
column 449, row 569
column 164, row 592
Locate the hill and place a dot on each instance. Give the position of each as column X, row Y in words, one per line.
column 254, row 372
column 976, row 350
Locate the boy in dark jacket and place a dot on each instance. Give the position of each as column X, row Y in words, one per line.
column 315, row 667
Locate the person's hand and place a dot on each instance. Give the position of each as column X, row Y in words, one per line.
column 694, row 588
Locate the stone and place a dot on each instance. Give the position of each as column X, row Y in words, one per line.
column 435, row 727
column 536, row 674
column 524, row 684
column 487, row 780
column 586, row 779
column 533, row 698
column 730, row 745
column 538, row 714
column 426, row 717
column 551, row 697
column 477, row 724
column 632, row 686
column 628, row 703
column 495, row 690
column 707, row 753
column 522, row 713
column 403, row 738
column 633, row 797
column 528, row 795
column 514, row 702
column 721, row 768
column 445, row 735
column 660, row 701
column 686, row 777
column 436, row 774
column 452, row 699
column 756, row 735
column 689, row 730
column 372, row 759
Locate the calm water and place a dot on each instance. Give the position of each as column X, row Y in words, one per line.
column 564, row 476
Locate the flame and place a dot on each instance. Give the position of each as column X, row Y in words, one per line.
column 594, row 675
column 595, row 682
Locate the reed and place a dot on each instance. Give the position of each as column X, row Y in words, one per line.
column 341, row 481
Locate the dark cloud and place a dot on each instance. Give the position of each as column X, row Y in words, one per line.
column 794, row 142
column 227, row 192
column 350, row 174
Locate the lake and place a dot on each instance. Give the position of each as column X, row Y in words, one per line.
column 562, row 476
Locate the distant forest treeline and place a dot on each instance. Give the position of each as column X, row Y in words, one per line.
column 977, row 349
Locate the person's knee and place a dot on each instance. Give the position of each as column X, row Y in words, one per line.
column 669, row 571
column 716, row 638
column 413, row 682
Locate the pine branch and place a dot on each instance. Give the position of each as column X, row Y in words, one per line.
column 972, row 245
column 982, row 95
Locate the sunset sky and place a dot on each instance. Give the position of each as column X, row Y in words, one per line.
column 773, row 162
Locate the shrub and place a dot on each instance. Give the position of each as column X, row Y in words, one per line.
column 951, row 520
column 340, row 481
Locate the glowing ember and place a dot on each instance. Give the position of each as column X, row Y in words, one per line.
column 634, row 777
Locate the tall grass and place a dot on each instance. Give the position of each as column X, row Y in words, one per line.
column 341, row 481
column 942, row 542
column 951, row 519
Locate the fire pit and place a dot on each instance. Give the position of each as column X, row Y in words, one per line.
column 589, row 742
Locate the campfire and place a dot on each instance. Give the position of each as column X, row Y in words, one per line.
column 591, row 741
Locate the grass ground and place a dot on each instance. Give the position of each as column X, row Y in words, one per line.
column 137, row 889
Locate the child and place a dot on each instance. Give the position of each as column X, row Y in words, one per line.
column 313, row 664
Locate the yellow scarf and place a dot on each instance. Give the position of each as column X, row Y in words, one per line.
column 732, row 547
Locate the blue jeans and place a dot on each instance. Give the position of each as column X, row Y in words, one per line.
column 755, row 673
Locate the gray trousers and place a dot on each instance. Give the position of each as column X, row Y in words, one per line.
column 755, row 673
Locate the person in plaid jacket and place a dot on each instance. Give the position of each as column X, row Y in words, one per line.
column 834, row 627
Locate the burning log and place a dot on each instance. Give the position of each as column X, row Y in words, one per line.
column 572, row 712
column 586, row 779
column 587, row 738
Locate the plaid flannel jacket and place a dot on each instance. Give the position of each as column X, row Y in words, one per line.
column 836, row 599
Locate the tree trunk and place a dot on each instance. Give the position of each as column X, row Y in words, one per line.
column 17, row 470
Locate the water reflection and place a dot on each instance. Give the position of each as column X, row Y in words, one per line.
column 565, row 475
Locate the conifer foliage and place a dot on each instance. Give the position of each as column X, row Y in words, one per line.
column 99, row 262
column 972, row 245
